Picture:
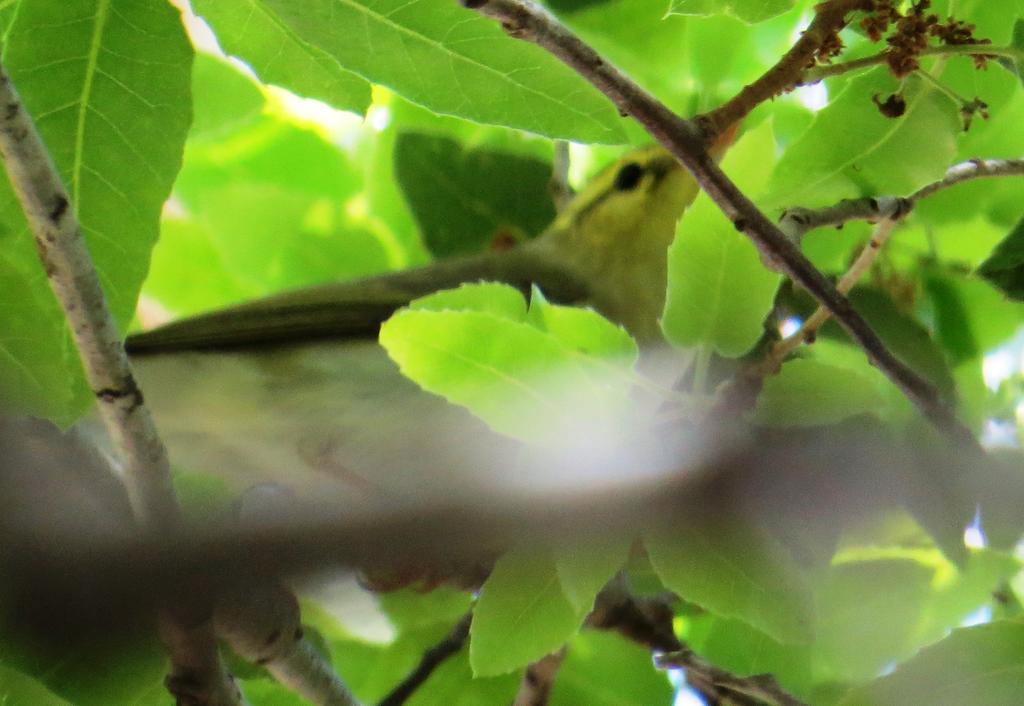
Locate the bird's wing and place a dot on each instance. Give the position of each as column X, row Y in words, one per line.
column 354, row 309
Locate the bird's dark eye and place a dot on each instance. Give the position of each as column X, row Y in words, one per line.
column 629, row 176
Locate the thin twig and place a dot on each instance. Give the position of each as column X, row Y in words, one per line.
column 431, row 660
column 526, row 20
column 829, row 18
column 808, row 331
column 797, row 222
column 197, row 674
column 887, row 211
column 820, row 73
column 762, row 687
column 966, row 171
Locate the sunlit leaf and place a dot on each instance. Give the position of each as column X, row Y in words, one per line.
column 736, row 572
column 810, row 393
column 738, row 647
column 251, row 31
column 980, row 665
column 521, row 616
column 605, row 669
column 1005, row 266
column 718, row 290
column 587, row 564
column 522, row 380
column 453, row 61
column 852, row 149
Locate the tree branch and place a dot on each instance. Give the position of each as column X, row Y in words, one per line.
column 888, row 210
column 820, row 73
column 197, row 674
column 646, row 621
column 829, row 18
column 809, row 329
column 797, row 222
column 966, row 171
column 526, row 20
column 431, row 660
column 761, row 687
column 742, row 391
column 262, row 623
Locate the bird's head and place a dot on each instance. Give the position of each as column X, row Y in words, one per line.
column 615, row 235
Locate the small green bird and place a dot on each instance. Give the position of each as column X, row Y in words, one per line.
column 295, row 389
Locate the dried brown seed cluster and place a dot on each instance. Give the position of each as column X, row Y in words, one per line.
column 912, row 31
column 892, row 107
column 829, row 49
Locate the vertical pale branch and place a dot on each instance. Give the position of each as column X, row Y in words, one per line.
column 73, row 279
column 197, row 674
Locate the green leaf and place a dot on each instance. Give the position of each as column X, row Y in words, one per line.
column 580, row 330
column 522, row 381
column 485, row 297
column 981, row 665
column 522, row 614
column 127, row 671
column 188, row 274
column 718, row 290
column 630, row 34
column 737, row 647
column 262, row 204
column 408, row 608
column 939, row 231
column 750, row 11
column 606, row 669
column 852, row 149
column 454, row 684
column 18, row 688
column 238, row 142
column 868, row 612
column 971, row 316
column 735, row 571
column 811, row 393
column 466, row 199
column 587, row 564
column 223, row 99
column 249, row 30
column 1016, row 67
column 902, row 334
column 1005, row 266
column 452, row 61
column 272, row 238
column 107, row 83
